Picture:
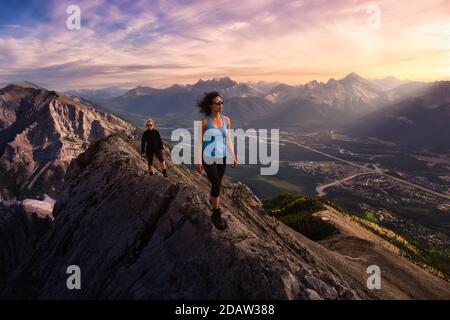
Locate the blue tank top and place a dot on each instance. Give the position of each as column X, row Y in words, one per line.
column 214, row 139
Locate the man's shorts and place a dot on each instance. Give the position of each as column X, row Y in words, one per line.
column 159, row 155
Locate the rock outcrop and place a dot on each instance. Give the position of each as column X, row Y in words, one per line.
column 22, row 226
column 136, row 236
column 40, row 132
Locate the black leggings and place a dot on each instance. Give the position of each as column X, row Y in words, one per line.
column 215, row 173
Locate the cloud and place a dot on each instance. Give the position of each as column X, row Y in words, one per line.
column 163, row 42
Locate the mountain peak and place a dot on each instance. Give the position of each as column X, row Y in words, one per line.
column 141, row 91
column 28, row 84
column 227, row 78
column 331, row 80
column 226, row 87
column 353, row 77
column 61, row 128
column 390, row 78
column 224, row 82
column 312, row 84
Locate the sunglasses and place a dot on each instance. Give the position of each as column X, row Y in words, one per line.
column 218, row 102
column 149, row 124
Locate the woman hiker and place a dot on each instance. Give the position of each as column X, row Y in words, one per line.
column 151, row 144
column 216, row 140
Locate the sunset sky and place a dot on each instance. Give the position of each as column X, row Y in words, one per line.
column 159, row 43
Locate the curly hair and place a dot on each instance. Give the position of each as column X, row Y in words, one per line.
column 204, row 105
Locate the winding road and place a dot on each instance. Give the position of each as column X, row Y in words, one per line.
column 320, row 189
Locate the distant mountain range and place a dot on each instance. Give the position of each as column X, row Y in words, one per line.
column 410, row 114
column 352, row 93
column 40, row 132
column 317, row 105
column 362, row 107
column 103, row 94
column 176, row 105
column 388, row 83
column 256, row 103
column 420, row 120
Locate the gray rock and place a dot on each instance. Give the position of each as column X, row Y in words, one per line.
column 41, row 131
column 312, row 295
column 136, row 236
column 20, row 232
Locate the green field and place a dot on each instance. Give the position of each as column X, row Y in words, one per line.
column 287, row 179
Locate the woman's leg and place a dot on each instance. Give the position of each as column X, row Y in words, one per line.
column 215, row 201
column 220, row 172
column 213, row 174
column 150, row 162
column 221, row 169
column 160, row 156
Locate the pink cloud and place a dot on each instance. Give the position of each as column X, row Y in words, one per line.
column 288, row 41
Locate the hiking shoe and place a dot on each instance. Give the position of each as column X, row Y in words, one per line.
column 151, row 173
column 217, row 220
